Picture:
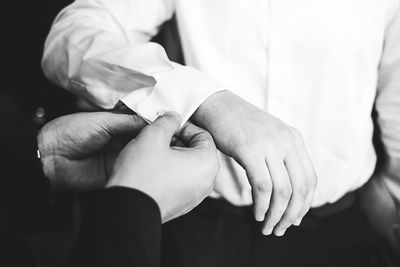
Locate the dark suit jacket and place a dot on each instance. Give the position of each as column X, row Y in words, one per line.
column 26, row 202
column 120, row 227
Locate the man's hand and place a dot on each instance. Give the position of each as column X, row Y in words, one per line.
column 177, row 178
column 73, row 148
column 273, row 154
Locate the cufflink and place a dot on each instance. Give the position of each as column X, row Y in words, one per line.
column 161, row 113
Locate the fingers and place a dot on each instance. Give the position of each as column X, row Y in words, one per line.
column 260, row 182
column 118, row 124
column 196, row 137
column 303, row 185
column 311, row 177
column 199, row 152
column 297, row 201
column 163, row 128
column 281, row 194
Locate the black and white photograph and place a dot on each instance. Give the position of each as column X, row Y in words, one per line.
column 200, row 133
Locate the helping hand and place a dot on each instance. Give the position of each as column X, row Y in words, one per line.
column 177, row 178
column 73, row 148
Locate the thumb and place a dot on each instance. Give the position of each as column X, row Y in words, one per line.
column 196, row 137
column 166, row 125
column 119, row 124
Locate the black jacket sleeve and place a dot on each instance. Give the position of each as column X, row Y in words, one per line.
column 120, row 227
column 26, row 201
column 25, row 194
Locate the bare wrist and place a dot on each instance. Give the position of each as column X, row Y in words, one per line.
column 207, row 113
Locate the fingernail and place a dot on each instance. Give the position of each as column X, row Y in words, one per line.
column 267, row 231
column 280, row 232
column 298, row 222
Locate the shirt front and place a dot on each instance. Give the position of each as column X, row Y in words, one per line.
column 318, row 65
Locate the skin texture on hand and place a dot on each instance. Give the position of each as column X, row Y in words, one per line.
column 177, row 178
column 272, row 153
column 77, row 150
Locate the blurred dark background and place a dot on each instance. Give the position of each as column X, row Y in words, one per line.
column 25, row 25
column 30, row 101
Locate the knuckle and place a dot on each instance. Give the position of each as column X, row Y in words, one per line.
column 277, row 149
column 263, row 187
column 285, row 140
column 274, row 145
column 250, row 148
column 301, row 191
column 284, row 192
column 248, row 159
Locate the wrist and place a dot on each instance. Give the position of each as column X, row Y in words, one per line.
column 222, row 114
column 209, row 112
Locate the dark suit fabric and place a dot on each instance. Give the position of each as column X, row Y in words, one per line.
column 218, row 234
column 26, row 202
column 120, row 227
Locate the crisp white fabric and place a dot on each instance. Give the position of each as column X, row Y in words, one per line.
column 315, row 64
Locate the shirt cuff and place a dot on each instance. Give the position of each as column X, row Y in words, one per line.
column 182, row 90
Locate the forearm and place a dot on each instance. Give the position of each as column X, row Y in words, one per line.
column 101, row 52
column 90, row 52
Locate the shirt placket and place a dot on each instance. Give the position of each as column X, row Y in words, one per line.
column 267, row 35
column 275, row 102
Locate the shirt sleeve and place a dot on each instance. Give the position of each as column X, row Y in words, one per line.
column 101, row 50
column 388, row 108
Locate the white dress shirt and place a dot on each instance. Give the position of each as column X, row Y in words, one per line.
column 318, row 65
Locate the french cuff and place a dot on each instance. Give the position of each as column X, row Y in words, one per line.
column 182, row 90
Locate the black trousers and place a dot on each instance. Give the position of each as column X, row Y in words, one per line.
column 219, row 234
